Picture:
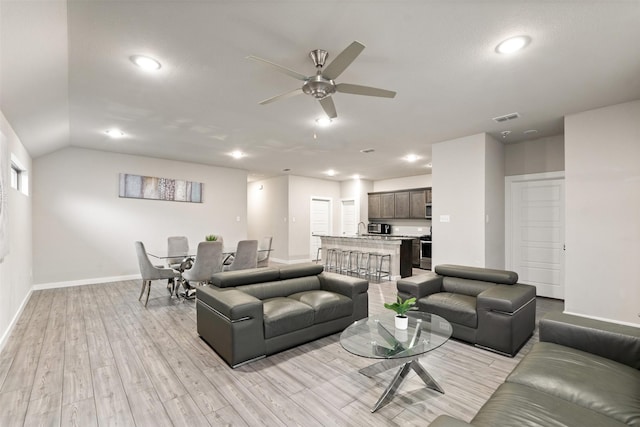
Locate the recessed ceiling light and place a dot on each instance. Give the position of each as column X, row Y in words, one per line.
column 237, row 154
column 513, row 44
column 145, row 62
column 330, row 172
column 323, row 121
column 114, row 133
column 411, row 158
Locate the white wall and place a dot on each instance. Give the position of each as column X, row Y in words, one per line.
column 458, row 182
column 416, row 181
column 15, row 268
column 602, row 170
column 358, row 190
column 268, row 214
column 301, row 190
column 84, row 232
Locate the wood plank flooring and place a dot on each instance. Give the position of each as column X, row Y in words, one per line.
column 94, row 355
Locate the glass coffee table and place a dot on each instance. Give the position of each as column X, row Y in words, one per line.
column 377, row 338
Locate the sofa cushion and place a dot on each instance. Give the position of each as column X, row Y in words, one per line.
column 455, row 285
column 602, row 385
column 326, row 305
column 281, row 288
column 522, row 406
column 284, row 315
column 456, row 308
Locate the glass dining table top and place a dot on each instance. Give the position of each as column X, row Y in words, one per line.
column 166, row 254
column 376, row 336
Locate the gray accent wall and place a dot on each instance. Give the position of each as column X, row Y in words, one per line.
column 534, row 156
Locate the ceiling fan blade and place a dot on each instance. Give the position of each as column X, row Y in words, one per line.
column 364, row 90
column 329, row 107
column 281, row 96
column 280, row 68
column 343, row 60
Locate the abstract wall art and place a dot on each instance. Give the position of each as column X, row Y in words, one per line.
column 147, row 187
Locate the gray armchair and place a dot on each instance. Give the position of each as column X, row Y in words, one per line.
column 149, row 272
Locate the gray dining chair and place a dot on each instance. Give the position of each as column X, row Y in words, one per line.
column 149, row 272
column 264, row 249
column 246, row 256
column 176, row 245
column 208, row 261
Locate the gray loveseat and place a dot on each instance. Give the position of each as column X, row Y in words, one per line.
column 582, row 373
column 248, row 314
column 485, row 307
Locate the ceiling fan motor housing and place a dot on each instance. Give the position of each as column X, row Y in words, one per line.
column 319, row 87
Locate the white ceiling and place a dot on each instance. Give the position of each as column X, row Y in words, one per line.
column 66, row 77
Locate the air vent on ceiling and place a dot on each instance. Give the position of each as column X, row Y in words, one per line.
column 506, row 117
column 367, row 150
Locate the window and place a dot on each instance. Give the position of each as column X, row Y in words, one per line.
column 19, row 176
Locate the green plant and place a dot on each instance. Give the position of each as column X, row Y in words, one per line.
column 211, row 238
column 401, row 307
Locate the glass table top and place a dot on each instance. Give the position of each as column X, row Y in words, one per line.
column 376, row 337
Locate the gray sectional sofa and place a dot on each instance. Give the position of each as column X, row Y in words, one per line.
column 485, row 307
column 582, row 373
column 249, row 314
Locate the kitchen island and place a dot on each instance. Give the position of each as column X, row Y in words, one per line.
column 400, row 249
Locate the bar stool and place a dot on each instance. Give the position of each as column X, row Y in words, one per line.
column 318, row 254
column 333, row 259
column 354, row 262
column 345, row 261
column 375, row 264
column 363, row 264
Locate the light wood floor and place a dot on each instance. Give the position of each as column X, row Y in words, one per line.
column 93, row 355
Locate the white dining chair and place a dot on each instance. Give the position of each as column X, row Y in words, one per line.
column 149, row 272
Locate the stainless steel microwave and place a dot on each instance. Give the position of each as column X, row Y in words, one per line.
column 374, row 228
column 427, row 211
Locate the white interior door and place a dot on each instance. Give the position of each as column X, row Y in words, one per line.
column 349, row 220
column 535, row 234
column 320, row 223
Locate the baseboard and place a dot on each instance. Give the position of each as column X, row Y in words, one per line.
column 12, row 324
column 603, row 319
column 82, row 282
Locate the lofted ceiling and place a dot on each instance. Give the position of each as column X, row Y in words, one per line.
column 66, row 77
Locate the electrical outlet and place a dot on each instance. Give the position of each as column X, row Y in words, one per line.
column 445, row 218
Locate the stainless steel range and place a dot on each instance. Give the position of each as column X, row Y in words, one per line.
column 425, row 252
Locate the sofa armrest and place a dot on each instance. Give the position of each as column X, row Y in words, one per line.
column 344, row 285
column 611, row 340
column 419, row 286
column 233, row 304
column 447, row 421
column 506, row 299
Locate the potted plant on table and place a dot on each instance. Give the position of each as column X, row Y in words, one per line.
column 211, row 238
column 401, row 307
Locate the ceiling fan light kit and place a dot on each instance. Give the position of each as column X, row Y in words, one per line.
column 322, row 85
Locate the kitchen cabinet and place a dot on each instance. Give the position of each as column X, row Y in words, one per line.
column 402, row 204
column 387, row 205
column 418, row 201
column 374, row 206
column 405, row 204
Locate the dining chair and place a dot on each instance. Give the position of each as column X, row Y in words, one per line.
column 264, row 249
column 149, row 272
column 208, row 261
column 176, row 245
column 246, row 256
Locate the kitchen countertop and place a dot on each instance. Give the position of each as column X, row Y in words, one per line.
column 369, row 237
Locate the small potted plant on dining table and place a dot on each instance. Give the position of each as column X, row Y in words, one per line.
column 211, row 238
column 401, row 307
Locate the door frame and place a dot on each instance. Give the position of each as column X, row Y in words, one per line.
column 356, row 210
column 324, row 199
column 508, row 215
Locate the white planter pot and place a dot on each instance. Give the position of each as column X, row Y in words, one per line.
column 402, row 322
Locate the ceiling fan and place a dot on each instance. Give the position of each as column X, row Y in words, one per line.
column 321, row 85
